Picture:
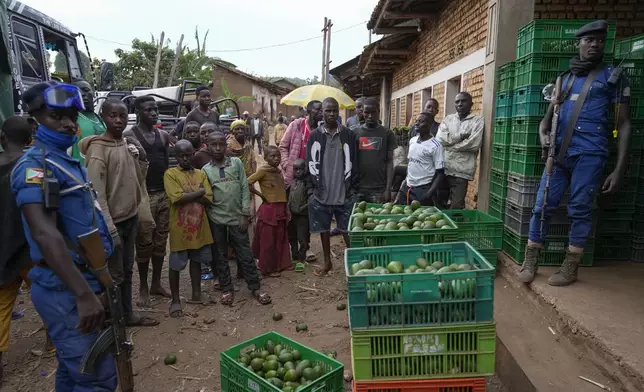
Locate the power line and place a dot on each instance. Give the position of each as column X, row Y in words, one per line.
column 243, row 49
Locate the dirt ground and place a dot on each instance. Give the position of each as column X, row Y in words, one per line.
column 197, row 343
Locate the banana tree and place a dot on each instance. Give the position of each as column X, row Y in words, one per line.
column 229, row 95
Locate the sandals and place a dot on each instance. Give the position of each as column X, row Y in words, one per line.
column 175, row 311
column 262, row 298
column 227, row 299
column 320, row 272
column 145, row 321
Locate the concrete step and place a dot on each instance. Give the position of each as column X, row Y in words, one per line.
column 548, row 346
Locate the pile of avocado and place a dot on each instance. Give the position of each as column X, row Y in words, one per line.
column 365, row 267
column 417, row 218
column 281, row 366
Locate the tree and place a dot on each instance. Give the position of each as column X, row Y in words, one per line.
column 135, row 67
column 228, row 94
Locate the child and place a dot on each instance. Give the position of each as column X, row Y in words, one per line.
column 271, row 234
column 298, row 205
column 229, row 215
column 190, row 237
column 118, row 181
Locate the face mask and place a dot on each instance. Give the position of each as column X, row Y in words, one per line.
column 55, row 139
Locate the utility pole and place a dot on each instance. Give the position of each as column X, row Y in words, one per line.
column 328, row 53
column 322, row 76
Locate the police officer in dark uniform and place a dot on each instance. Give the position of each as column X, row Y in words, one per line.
column 58, row 205
column 581, row 150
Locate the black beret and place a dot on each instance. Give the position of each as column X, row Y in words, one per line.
column 598, row 26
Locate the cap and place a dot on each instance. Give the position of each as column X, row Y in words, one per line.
column 245, row 112
column 598, row 26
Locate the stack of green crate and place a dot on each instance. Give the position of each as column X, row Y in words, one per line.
column 413, row 327
column 501, row 140
column 544, row 50
column 626, row 211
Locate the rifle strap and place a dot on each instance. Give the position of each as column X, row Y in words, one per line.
column 576, row 111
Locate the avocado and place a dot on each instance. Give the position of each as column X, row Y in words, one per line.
column 438, row 265
column 397, row 210
column 291, row 375
column 429, row 225
column 395, row 267
column 421, row 263
column 285, row 357
column 391, row 226
column 170, row 359
column 303, row 365
column 271, row 357
column 341, row 306
column 362, row 205
column 301, row 327
column 387, row 206
column 415, row 205
column 309, row 374
column 365, row 264
column 244, row 359
column 355, row 268
column 435, row 217
column 357, row 229
column 257, row 364
column 289, row 365
column 444, row 270
column 263, row 354
column 441, row 222
column 270, row 373
column 369, row 226
column 275, row 381
column 417, row 225
column 270, row 365
column 380, row 227
column 296, row 355
column 412, row 268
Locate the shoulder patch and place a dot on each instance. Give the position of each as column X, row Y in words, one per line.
column 34, row 175
column 626, row 91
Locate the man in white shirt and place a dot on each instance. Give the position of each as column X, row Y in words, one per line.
column 425, row 170
column 461, row 135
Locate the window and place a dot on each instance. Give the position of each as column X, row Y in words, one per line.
column 409, row 108
column 398, row 112
column 427, row 94
column 27, row 50
column 452, row 87
column 61, row 57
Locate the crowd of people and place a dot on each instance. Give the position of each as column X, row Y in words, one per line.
column 86, row 172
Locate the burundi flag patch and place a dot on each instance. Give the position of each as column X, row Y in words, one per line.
column 34, row 176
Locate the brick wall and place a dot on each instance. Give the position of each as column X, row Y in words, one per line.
column 418, row 100
column 438, row 92
column 403, row 111
column 629, row 14
column 393, row 113
column 458, row 31
column 473, row 83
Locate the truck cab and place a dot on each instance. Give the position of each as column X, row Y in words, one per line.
column 42, row 49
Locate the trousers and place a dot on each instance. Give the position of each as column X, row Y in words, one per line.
column 583, row 174
column 57, row 308
column 457, row 192
column 224, row 235
column 160, row 209
column 121, row 262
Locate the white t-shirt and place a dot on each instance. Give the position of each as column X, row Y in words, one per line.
column 256, row 125
column 424, row 159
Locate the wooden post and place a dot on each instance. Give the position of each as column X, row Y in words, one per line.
column 322, row 77
column 328, row 54
column 155, row 84
column 176, row 61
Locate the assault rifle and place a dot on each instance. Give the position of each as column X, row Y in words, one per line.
column 112, row 339
column 548, row 149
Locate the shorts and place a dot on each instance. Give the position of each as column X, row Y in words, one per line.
column 320, row 215
column 177, row 261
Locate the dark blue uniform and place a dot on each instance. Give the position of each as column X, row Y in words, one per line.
column 585, row 158
column 51, row 297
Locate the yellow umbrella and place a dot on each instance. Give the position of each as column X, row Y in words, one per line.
column 305, row 94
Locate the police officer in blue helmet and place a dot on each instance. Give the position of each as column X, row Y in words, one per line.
column 588, row 90
column 57, row 204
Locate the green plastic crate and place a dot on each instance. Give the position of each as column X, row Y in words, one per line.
column 528, row 101
column 613, row 248
column 554, row 253
column 621, row 201
column 634, row 72
column 419, row 299
column 539, row 70
column 235, row 377
column 496, row 208
column 631, row 48
column 526, row 160
column 615, row 220
column 637, row 249
column 367, row 238
column 503, row 105
column 500, row 157
column 525, row 131
column 483, row 231
column 421, row 353
column 634, row 167
column 498, row 183
column 506, row 77
column 555, row 36
column 379, row 205
column 502, row 131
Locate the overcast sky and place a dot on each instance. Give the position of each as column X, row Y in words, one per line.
column 233, row 24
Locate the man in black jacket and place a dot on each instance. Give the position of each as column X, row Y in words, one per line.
column 331, row 157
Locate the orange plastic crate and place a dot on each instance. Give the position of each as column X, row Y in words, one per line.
column 442, row 385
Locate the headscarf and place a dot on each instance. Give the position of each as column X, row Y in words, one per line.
column 237, row 123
